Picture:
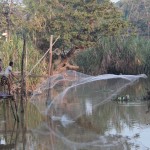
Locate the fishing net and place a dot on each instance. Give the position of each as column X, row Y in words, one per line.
column 72, row 92
column 69, row 99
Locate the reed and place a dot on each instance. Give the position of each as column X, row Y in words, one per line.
column 125, row 55
column 12, row 51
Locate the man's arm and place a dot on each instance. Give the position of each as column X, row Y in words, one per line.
column 13, row 75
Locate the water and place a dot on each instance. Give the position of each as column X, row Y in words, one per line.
column 84, row 119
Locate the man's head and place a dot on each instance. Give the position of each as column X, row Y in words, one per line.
column 11, row 63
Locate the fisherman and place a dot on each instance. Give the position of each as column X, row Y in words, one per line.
column 8, row 76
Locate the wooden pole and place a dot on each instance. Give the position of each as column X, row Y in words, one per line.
column 23, row 86
column 50, row 56
column 50, row 69
column 25, row 75
column 148, row 29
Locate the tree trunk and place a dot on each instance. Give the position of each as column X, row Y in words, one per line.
column 50, row 56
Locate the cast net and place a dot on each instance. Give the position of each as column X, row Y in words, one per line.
column 69, row 100
column 72, row 93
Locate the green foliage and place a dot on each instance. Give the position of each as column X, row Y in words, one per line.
column 78, row 22
column 90, row 60
column 3, row 20
column 138, row 13
column 127, row 55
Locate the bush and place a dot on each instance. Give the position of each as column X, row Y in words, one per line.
column 126, row 55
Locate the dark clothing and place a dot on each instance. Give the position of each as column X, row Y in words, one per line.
column 4, row 80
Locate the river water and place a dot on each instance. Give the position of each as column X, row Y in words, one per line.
column 80, row 122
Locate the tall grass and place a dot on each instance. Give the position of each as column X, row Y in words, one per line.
column 12, row 51
column 125, row 55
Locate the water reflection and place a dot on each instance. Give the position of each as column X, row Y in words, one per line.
column 88, row 108
column 111, row 125
column 100, row 126
column 2, row 141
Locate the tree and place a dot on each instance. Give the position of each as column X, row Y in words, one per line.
column 13, row 17
column 138, row 13
column 78, row 22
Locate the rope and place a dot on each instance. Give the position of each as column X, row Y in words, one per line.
column 41, row 58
